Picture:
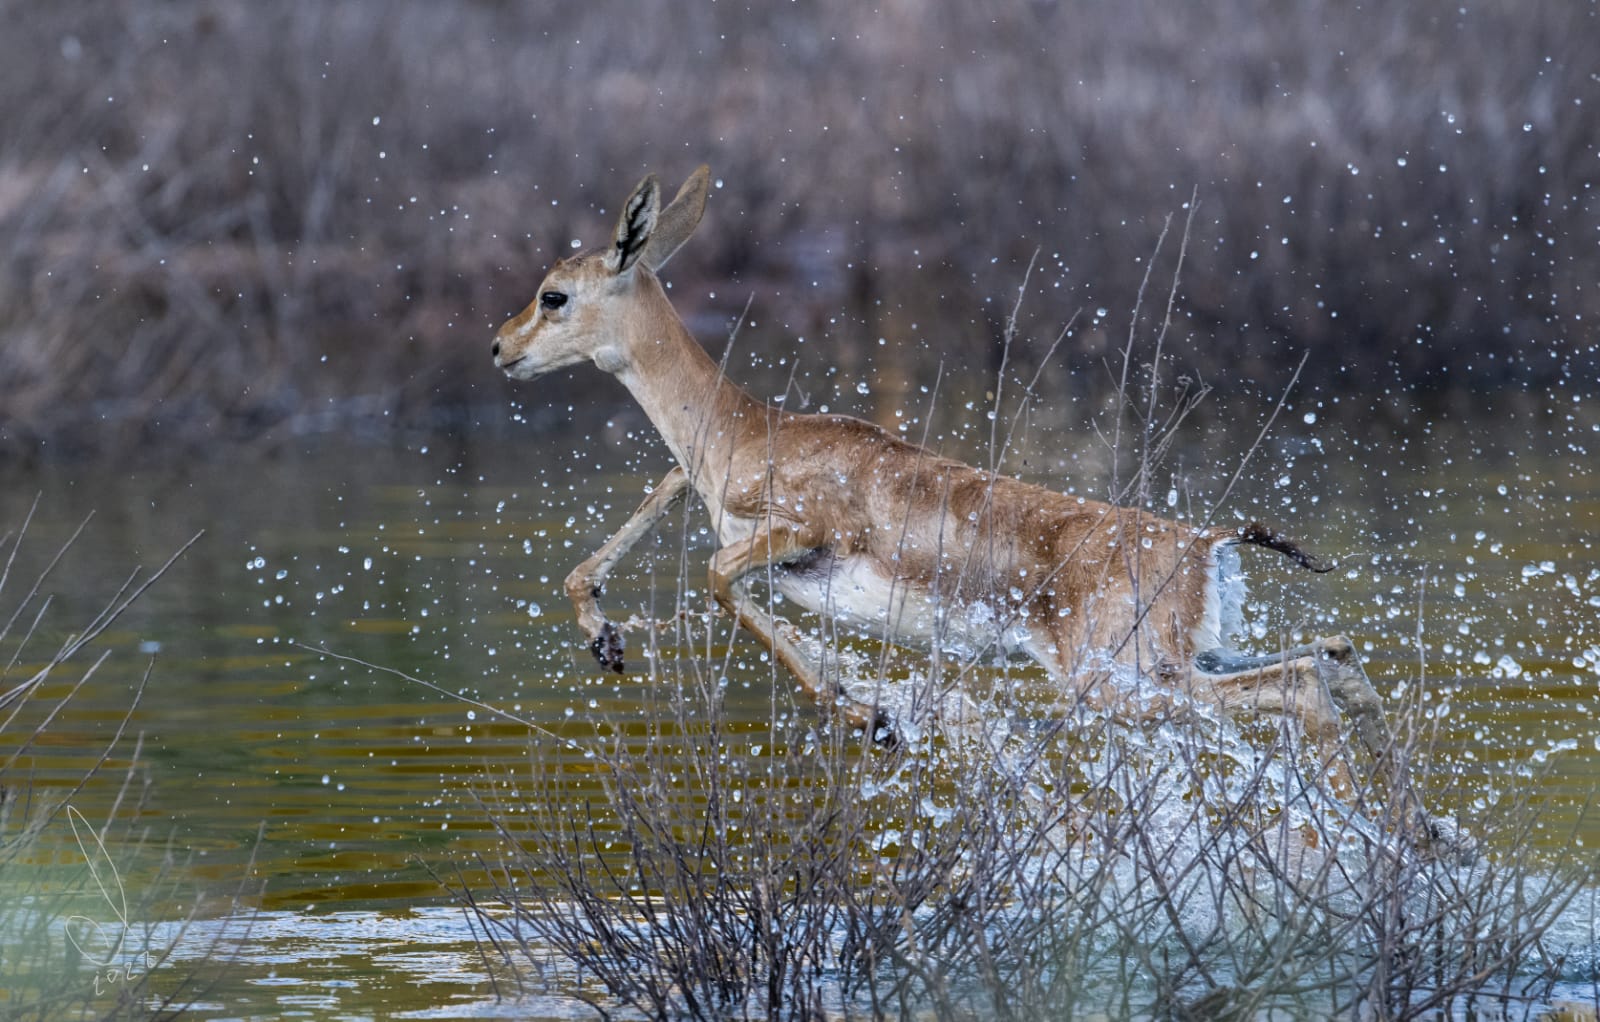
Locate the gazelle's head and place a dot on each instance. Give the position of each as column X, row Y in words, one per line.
column 583, row 306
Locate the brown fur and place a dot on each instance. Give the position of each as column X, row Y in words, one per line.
column 1100, row 582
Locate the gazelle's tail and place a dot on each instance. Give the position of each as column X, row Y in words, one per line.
column 1262, row 535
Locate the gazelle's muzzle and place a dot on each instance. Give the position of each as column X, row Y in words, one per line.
column 506, row 352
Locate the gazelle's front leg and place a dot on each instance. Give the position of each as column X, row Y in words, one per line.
column 586, row 582
column 774, row 544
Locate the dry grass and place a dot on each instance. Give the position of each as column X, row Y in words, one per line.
column 75, row 942
column 221, row 218
column 1082, row 869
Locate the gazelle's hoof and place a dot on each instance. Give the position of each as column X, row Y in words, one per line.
column 1338, row 649
column 884, row 732
column 607, row 647
column 1447, row 842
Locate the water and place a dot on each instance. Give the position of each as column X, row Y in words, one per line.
column 330, row 797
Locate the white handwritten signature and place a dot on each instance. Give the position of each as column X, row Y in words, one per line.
column 117, row 966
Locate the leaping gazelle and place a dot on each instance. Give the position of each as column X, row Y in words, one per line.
column 855, row 522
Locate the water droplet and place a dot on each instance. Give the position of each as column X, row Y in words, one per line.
column 534, row 609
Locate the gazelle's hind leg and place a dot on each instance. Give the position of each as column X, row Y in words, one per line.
column 1329, row 666
column 1294, row 688
column 1315, row 687
column 1340, row 670
column 1228, row 661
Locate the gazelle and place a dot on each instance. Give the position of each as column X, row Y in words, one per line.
column 853, row 522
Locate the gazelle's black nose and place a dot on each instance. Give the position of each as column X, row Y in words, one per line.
column 495, row 350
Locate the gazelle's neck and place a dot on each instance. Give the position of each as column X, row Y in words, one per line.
column 700, row 414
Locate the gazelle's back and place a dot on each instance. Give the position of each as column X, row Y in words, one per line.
column 911, row 526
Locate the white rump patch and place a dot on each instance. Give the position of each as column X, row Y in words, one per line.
column 1225, row 596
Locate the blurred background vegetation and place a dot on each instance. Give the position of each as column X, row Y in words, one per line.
column 230, row 220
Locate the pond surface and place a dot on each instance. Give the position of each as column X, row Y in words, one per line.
column 333, row 796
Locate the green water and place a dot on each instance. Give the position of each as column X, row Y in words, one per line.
column 327, row 795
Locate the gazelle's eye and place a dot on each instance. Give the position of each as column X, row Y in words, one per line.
column 553, row 299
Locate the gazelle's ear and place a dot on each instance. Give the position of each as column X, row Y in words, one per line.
column 635, row 225
column 679, row 219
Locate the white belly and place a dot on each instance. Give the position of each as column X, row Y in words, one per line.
column 854, row 593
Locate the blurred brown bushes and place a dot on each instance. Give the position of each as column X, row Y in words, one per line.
column 226, row 217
